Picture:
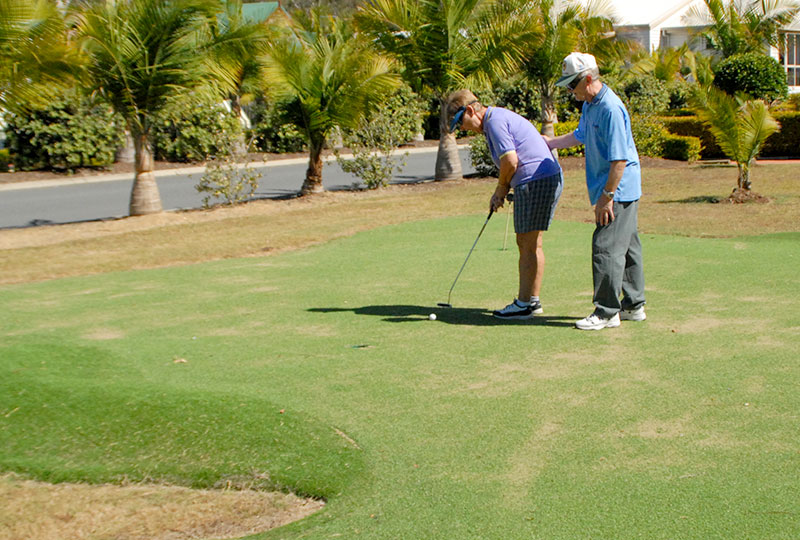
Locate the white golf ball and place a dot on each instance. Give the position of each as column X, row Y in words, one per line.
column 432, row 316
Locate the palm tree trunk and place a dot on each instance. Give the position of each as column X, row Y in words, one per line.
column 549, row 114
column 313, row 181
column 744, row 177
column 145, row 198
column 448, row 162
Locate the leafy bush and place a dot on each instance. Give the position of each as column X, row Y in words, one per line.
column 645, row 95
column 784, row 143
column 756, row 74
column 374, row 142
column 649, row 135
column 520, row 97
column 271, row 131
column 5, row 160
column 228, row 183
column 71, row 132
column 194, row 129
column 692, row 126
column 679, row 91
column 481, row 158
column 680, row 148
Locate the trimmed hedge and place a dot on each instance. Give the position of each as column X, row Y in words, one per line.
column 756, row 74
column 784, row 143
column 679, row 147
column 691, row 126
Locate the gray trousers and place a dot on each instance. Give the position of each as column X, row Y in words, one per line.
column 617, row 262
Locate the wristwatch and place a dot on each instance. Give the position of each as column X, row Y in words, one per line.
column 609, row 194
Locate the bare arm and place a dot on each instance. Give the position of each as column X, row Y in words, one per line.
column 562, row 141
column 508, row 166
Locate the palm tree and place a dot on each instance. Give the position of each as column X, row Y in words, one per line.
column 741, row 26
column 35, row 56
column 331, row 76
column 566, row 27
column 664, row 64
column 740, row 127
column 449, row 44
column 143, row 53
column 244, row 42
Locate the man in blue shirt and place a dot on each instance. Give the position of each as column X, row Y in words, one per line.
column 614, row 182
column 527, row 165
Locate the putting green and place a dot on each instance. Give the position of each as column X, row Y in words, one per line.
column 683, row 426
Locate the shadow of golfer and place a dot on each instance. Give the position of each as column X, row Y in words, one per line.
column 455, row 315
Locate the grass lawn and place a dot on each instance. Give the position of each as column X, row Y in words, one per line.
column 314, row 368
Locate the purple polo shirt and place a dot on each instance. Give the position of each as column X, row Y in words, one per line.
column 506, row 131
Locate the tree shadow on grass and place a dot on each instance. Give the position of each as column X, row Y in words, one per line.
column 711, row 199
column 454, row 315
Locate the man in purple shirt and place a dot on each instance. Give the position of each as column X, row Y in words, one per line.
column 528, row 167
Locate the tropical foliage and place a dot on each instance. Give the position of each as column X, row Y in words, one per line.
column 35, row 55
column 329, row 76
column 449, row 44
column 741, row 26
column 141, row 55
column 739, row 125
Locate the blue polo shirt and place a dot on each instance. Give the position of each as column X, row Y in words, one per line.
column 507, row 131
column 605, row 129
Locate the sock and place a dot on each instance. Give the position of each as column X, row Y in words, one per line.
column 520, row 303
column 534, row 299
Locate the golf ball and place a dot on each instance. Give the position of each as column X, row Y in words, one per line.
column 432, row 317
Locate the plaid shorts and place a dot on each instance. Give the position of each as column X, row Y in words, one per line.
column 535, row 203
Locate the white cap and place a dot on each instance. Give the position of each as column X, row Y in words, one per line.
column 575, row 64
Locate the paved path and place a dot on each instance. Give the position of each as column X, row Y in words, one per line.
column 89, row 198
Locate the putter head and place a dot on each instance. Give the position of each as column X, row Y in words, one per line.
column 444, row 305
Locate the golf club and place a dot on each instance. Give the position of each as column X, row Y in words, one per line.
column 448, row 304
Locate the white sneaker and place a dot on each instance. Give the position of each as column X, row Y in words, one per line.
column 596, row 322
column 633, row 314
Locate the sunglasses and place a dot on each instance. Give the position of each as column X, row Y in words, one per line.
column 573, row 84
column 458, row 118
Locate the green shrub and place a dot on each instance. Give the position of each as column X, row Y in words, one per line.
column 376, row 139
column 481, row 158
column 756, row 74
column 194, row 129
column 786, row 142
column 692, row 126
column 5, row 160
column 521, row 97
column 648, row 134
column 71, row 132
column 228, row 181
column 679, row 147
column 679, row 91
column 645, row 95
column 272, row 131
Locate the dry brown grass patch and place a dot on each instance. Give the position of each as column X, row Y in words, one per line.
column 35, row 510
